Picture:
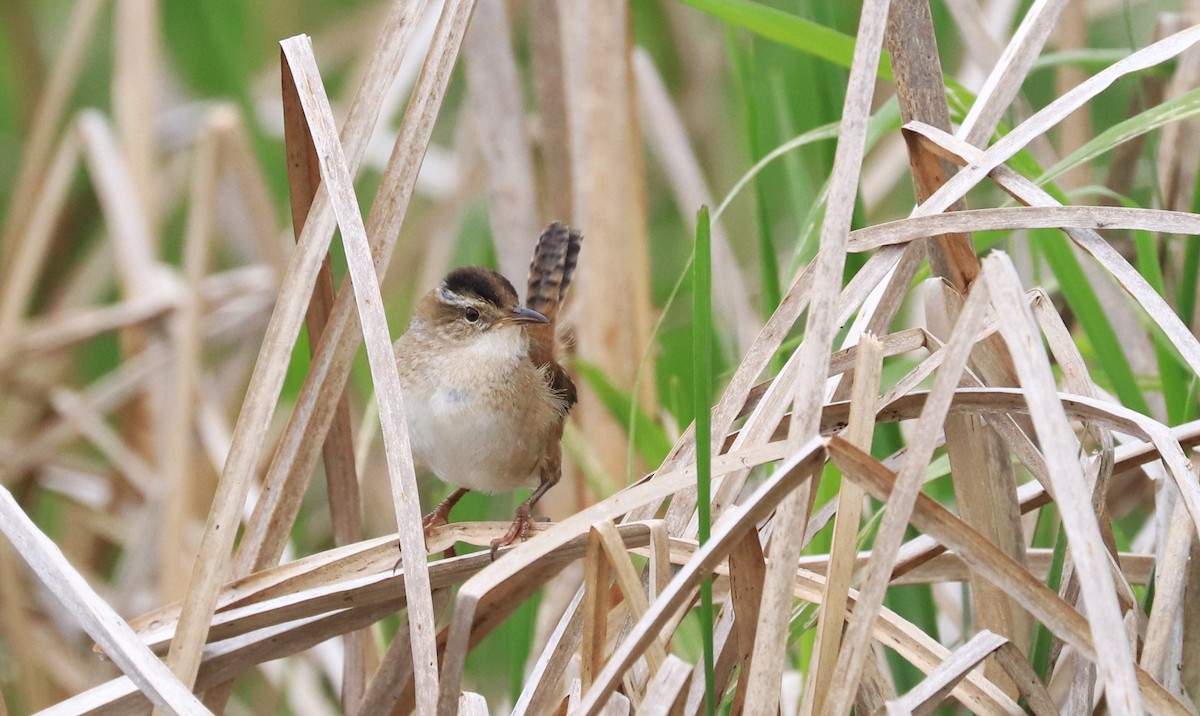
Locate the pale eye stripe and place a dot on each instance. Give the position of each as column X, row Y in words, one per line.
column 450, row 298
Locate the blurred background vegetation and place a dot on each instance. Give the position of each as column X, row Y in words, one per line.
column 741, row 85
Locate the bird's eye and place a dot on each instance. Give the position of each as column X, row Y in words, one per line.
column 471, row 315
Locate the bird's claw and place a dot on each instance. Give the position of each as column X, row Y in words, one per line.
column 434, row 519
column 518, row 531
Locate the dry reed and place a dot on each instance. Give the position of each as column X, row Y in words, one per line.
column 176, row 453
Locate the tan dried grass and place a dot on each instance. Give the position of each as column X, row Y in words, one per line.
column 994, row 403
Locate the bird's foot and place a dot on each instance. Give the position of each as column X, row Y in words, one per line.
column 435, row 519
column 518, row 531
column 438, row 518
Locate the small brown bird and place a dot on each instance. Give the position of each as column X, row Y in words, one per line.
column 484, row 396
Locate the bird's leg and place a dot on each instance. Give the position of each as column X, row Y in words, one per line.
column 518, row 530
column 441, row 513
column 520, row 525
column 441, row 516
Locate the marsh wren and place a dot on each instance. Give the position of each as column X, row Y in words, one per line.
column 484, row 396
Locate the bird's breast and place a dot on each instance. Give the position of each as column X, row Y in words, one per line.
column 483, row 426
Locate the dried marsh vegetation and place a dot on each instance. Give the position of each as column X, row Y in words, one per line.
column 949, row 461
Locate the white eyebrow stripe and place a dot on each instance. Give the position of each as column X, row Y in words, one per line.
column 451, row 298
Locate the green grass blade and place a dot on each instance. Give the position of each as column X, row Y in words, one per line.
column 1189, row 274
column 743, row 66
column 1185, row 106
column 1173, row 378
column 787, row 29
column 1040, row 651
column 1089, row 59
column 829, row 131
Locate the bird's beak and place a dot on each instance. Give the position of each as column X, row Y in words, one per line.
column 520, row 314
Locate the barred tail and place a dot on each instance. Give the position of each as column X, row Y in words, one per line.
column 551, row 269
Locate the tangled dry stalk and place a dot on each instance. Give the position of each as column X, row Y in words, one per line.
column 997, row 383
